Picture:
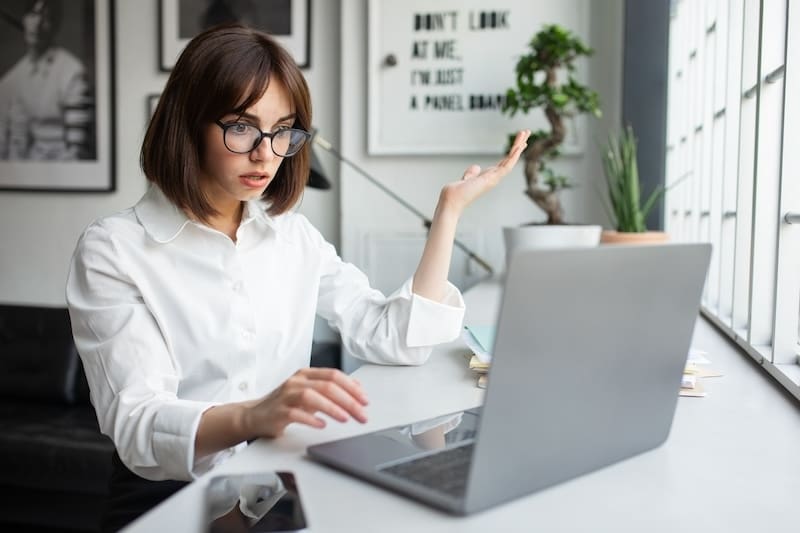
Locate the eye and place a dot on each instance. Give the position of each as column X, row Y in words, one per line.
column 238, row 128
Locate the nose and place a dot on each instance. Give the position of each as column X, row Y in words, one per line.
column 263, row 152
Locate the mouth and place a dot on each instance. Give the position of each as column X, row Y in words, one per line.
column 254, row 180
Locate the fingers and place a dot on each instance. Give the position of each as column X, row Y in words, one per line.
column 328, row 391
column 308, row 393
column 300, row 416
column 521, row 139
column 507, row 163
column 352, row 386
column 522, row 136
column 520, row 142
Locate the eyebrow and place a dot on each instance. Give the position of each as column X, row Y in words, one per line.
column 255, row 119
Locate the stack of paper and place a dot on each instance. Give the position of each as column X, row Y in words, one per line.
column 696, row 369
column 479, row 339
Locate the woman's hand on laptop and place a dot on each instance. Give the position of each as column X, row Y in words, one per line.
column 300, row 398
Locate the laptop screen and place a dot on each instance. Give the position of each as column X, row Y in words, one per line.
column 445, row 431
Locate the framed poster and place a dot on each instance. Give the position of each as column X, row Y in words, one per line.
column 438, row 72
column 56, row 95
column 288, row 21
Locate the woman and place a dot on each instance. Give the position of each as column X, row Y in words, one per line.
column 193, row 311
column 45, row 103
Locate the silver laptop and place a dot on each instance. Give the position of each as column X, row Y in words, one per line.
column 587, row 363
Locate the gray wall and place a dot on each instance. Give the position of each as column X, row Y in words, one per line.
column 644, row 92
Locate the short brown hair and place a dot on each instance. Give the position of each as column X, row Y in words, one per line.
column 222, row 70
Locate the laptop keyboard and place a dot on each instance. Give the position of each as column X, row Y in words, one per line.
column 445, row 471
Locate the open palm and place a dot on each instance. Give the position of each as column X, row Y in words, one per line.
column 477, row 181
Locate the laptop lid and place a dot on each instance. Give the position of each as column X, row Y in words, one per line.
column 588, row 358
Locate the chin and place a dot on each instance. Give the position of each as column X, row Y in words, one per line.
column 253, row 194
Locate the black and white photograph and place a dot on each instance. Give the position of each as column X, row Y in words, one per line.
column 55, row 95
column 286, row 20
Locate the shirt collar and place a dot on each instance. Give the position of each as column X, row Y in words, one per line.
column 161, row 219
column 256, row 210
column 164, row 221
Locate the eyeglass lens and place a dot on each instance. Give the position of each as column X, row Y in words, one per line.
column 243, row 138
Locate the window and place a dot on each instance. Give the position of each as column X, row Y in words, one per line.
column 734, row 106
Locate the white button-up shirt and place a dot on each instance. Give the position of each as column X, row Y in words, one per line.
column 171, row 317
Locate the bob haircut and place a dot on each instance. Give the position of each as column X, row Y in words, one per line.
column 223, row 70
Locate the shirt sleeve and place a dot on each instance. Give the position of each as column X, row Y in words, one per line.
column 132, row 376
column 402, row 328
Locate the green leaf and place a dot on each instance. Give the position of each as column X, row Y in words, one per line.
column 621, row 173
column 559, row 99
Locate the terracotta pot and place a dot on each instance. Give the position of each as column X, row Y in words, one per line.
column 622, row 237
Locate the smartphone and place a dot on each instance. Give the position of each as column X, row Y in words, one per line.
column 244, row 503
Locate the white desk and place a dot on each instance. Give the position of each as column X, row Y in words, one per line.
column 731, row 463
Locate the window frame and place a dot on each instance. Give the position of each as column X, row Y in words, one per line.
column 734, row 97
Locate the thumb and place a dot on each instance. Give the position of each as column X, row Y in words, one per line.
column 471, row 172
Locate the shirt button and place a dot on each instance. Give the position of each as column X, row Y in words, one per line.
column 237, row 286
column 246, row 334
column 243, row 386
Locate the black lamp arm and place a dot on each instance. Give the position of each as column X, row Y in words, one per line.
column 327, row 146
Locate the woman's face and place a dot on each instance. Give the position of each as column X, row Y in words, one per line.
column 38, row 25
column 229, row 178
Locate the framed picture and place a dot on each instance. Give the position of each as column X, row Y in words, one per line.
column 57, row 96
column 288, row 21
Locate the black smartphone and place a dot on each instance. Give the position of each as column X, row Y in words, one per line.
column 245, row 503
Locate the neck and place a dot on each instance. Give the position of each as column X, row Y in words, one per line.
column 227, row 221
column 36, row 52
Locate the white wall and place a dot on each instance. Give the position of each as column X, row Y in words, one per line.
column 38, row 231
column 418, row 179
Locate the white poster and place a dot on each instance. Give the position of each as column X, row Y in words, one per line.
column 439, row 70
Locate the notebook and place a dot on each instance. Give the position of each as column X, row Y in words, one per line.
column 587, row 362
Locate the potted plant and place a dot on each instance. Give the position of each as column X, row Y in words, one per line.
column 552, row 50
column 626, row 209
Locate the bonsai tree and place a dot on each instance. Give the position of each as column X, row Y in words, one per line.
column 552, row 50
column 627, row 212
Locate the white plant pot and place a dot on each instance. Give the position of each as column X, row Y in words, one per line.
column 549, row 236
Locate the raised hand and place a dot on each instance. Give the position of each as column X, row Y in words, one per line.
column 430, row 279
column 476, row 181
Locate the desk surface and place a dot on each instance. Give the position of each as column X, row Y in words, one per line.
column 731, row 462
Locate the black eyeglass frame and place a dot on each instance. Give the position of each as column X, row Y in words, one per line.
column 268, row 135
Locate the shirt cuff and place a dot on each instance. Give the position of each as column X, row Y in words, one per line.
column 174, row 433
column 432, row 322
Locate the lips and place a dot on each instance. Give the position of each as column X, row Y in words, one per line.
column 254, row 180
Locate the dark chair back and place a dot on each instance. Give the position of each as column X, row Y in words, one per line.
column 38, row 359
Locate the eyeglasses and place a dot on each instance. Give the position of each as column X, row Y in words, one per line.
column 241, row 138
